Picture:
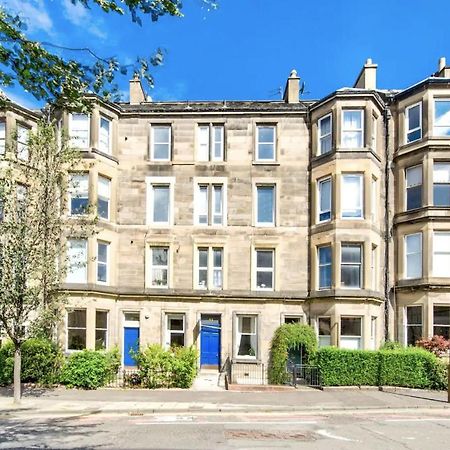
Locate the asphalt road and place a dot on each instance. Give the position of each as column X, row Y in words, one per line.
column 331, row 431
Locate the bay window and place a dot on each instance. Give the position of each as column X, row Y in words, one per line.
column 413, row 187
column 79, row 130
column 413, row 255
column 351, row 266
column 441, row 125
column 413, row 117
column 79, row 194
column 441, row 184
column 441, row 254
column 352, row 128
column 77, row 261
column 351, row 333
column 104, row 139
column 103, row 197
column 102, row 262
column 325, row 134
column 324, row 188
column 352, row 196
column 325, row 266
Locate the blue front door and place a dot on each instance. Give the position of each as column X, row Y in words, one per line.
column 210, row 344
column 130, row 345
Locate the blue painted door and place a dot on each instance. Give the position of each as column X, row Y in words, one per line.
column 210, row 345
column 130, row 345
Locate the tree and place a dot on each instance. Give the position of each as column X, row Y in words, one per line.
column 62, row 82
column 33, row 189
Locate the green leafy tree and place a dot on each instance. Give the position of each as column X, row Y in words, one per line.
column 63, row 82
column 33, row 228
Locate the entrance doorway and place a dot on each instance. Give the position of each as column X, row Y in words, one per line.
column 210, row 341
column 131, row 332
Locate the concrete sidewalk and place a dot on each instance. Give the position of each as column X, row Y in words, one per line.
column 139, row 401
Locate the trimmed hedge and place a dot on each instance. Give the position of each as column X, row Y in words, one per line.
column 175, row 367
column 410, row 367
column 89, row 369
column 41, row 362
column 340, row 367
column 287, row 337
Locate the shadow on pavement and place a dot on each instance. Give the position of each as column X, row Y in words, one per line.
column 28, row 390
column 425, row 395
column 49, row 433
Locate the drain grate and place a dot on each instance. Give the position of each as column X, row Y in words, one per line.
column 268, row 435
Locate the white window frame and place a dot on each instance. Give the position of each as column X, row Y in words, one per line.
column 105, row 330
column 408, row 169
column 324, row 340
column 361, row 264
column 440, row 136
column 348, row 337
column 374, row 266
column 103, row 263
column 108, row 199
column 169, row 331
column 159, row 267
column 210, row 268
column 264, row 269
column 361, row 195
column 406, row 324
column 374, row 133
column 274, row 143
column 319, row 265
column 153, row 142
column 373, row 332
column 83, row 264
column 441, row 325
column 359, row 130
column 374, row 197
column 68, row 311
column 73, row 139
column 320, row 211
column 406, row 254
column 321, row 137
column 160, row 181
column 211, row 127
column 210, row 183
column 76, row 192
column 107, row 149
column 273, row 223
column 409, row 131
column 239, row 334
column 440, row 251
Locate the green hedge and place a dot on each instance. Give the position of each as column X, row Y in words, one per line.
column 89, row 369
column 175, row 367
column 41, row 362
column 340, row 367
column 410, row 367
column 287, row 337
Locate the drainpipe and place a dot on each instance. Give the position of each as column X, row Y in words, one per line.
column 387, row 225
column 310, row 221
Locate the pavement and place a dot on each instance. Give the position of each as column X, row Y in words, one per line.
column 61, row 401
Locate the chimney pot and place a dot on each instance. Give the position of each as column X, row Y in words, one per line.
column 292, row 89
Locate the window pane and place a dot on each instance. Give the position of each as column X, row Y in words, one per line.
column 202, row 205
column 264, row 258
column 161, row 201
column 161, row 134
column 441, row 315
column 100, row 339
column 352, row 120
column 265, row 204
column 161, row 151
column 266, row 140
column 264, row 280
column 104, row 135
column 324, row 326
column 441, row 194
column 77, row 261
column 177, row 340
column 325, row 200
column 414, row 117
column 351, row 276
column 159, row 256
column 414, row 315
column 441, row 173
column 351, row 196
column 413, row 334
column 351, row 253
column 414, row 197
column 176, row 323
column 76, row 318
column 203, row 143
column 76, row 339
column 266, row 134
column 102, row 253
column 350, row 326
column 217, row 255
column 442, row 118
column 442, row 331
column 203, row 257
column 101, row 319
column 265, row 151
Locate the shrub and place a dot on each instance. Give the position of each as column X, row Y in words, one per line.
column 89, row 369
column 176, row 367
column 437, row 345
column 286, row 337
column 41, row 362
column 411, row 367
column 392, row 345
column 339, row 367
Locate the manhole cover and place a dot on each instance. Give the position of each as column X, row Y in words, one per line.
column 267, row 435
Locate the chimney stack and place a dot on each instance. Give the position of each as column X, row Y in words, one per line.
column 443, row 69
column 367, row 78
column 292, row 89
column 137, row 94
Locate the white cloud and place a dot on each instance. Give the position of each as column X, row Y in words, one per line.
column 33, row 12
column 80, row 16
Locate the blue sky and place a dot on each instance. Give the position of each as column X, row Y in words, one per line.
column 246, row 49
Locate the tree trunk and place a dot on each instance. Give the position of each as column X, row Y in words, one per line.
column 17, row 370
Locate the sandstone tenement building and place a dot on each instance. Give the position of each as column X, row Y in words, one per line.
column 220, row 220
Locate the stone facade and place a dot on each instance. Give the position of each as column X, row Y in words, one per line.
column 189, row 257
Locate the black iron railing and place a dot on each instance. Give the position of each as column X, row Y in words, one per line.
column 248, row 373
column 306, row 375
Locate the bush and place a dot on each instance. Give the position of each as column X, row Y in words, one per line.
column 339, row 367
column 437, row 345
column 287, row 337
column 176, row 367
column 89, row 369
column 411, row 367
column 41, row 362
